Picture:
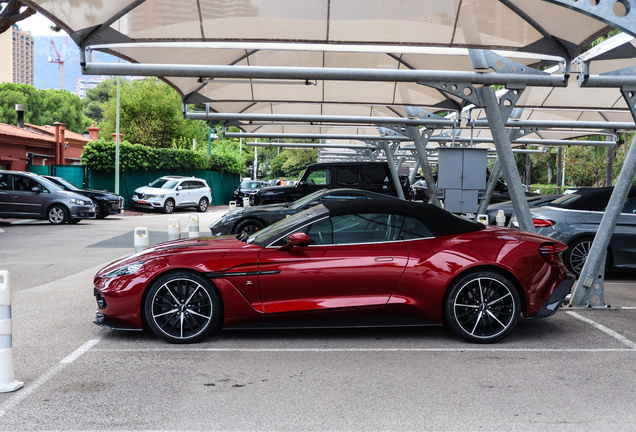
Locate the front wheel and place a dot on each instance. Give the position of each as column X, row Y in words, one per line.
column 182, row 307
column 249, row 226
column 168, row 206
column 203, row 205
column 482, row 307
column 57, row 215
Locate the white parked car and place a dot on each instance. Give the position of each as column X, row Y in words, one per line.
column 171, row 192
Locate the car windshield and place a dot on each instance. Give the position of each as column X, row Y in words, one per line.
column 307, row 199
column 277, row 230
column 249, row 184
column 566, row 199
column 49, row 184
column 67, row 183
column 164, row 183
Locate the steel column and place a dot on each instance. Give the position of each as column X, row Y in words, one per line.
column 490, row 187
column 416, row 168
column 504, row 150
column 394, row 173
column 420, row 141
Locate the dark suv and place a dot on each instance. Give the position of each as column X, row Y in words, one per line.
column 371, row 176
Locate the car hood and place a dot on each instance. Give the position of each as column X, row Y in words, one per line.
column 202, row 246
column 74, row 195
column 266, row 207
column 152, row 190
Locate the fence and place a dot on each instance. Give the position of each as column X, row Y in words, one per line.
column 73, row 173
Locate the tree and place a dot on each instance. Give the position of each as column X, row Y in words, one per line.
column 42, row 107
column 151, row 114
column 97, row 98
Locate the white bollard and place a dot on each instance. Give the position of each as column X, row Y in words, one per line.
column 174, row 229
column 8, row 382
column 500, row 218
column 193, row 225
column 483, row 218
column 232, row 206
column 142, row 238
column 246, row 202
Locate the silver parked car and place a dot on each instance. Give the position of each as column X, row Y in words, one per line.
column 574, row 220
column 25, row 195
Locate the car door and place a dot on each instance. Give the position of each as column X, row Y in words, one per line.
column 24, row 201
column 182, row 195
column 352, row 261
column 623, row 241
column 5, row 197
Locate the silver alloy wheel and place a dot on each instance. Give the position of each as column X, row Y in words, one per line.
column 168, row 206
column 578, row 255
column 484, row 308
column 96, row 209
column 203, row 205
column 182, row 308
column 57, row 215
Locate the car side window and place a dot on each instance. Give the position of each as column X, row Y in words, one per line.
column 377, row 178
column 355, row 229
column 21, row 183
column 4, row 181
column 340, row 197
column 629, row 206
column 347, row 177
column 414, row 229
column 319, row 177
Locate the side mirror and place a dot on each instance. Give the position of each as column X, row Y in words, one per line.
column 299, row 239
column 179, row 187
column 36, row 189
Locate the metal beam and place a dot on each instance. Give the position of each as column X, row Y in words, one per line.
column 333, row 74
column 316, row 136
column 391, row 161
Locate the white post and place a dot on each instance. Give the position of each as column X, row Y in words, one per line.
column 193, row 225
column 142, row 238
column 8, row 382
column 174, row 229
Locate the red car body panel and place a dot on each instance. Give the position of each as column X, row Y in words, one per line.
column 402, row 278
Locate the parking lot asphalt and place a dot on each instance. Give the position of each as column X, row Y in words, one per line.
column 574, row 371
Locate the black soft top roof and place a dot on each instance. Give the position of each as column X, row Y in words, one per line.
column 438, row 221
column 589, row 199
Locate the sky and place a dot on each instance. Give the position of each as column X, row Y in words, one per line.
column 38, row 25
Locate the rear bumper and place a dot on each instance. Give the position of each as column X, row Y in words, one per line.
column 555, row 300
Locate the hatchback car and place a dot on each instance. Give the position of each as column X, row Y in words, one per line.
column 171, row 192
column 104, row 202
column 26, row 195
column 574, row 220
column 338, row 263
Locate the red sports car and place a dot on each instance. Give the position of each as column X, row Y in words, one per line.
column 378, row 260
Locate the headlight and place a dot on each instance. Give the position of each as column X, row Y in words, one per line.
column 125, row 270
column 79, row 202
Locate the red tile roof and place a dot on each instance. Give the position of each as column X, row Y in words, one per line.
column 51, row 130
column 15, row 131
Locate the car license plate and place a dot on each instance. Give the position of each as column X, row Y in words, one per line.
column 141, row 202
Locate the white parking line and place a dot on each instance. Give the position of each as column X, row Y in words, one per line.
column 628, row 307
column 331, row 350
column 24, row 393
column 604, row 329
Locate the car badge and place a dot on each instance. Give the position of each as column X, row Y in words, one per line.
column 249, row 283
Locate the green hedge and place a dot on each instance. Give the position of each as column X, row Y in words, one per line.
column 100, row 156
column 543, row 189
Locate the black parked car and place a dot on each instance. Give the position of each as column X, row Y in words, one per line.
column 252, row 219
column 371, row 176
column 245, row 189
column 105, row 203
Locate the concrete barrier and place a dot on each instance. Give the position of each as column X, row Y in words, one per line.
column 174, row 229
column 8, row 383
column 232, row 206
column 142, row 238
column 193, row 225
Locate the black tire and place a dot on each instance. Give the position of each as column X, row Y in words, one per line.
column 57, row 214
column 183, row 307
column 98, row 211
column 576, row 254
column 74, row 221
column 168, row 206
column 202, row 207
column 482, row 306
column 249, row 226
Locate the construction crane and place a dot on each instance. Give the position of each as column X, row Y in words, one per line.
column 59, row 59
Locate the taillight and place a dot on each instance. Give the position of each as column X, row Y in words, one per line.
column 540, row 223
column 551, row 252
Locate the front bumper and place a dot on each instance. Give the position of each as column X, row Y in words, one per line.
column 82, row 212
column 102, row 321
column 555, row 300
column 151, row 203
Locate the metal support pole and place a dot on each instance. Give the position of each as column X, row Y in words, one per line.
column 117, row 141
column 559, row 178
column 416, row 168
column 588, row 283
column 504, row 150
column 394, row 173
column 490, row 187
column 420, row 146
column 528, row 171
column 609, row 166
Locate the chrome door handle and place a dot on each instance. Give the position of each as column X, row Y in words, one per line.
column 383, row 259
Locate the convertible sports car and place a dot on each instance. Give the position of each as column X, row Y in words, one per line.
column 341, row 260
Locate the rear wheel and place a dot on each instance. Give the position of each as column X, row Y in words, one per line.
column 182, row 307
column 57, row 214
column 575, row 256
column 482, row 307
column 203, row 205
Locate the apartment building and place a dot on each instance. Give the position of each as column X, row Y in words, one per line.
column 16, row 52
